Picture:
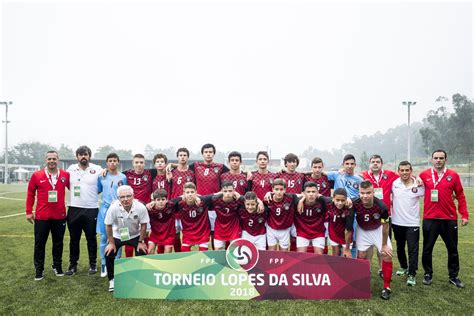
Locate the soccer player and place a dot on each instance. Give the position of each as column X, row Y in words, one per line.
column 194, row 219
column 126, row 222
column 340, row 222
column 235, row 175
column 108, row 185
column 262, row 179
column 294, row 180
column 439, row 216
column 162, row 222
column 252, row 222
column 281, row 209
column 160, row 180
column 406, row 220
column 83, row 208
column 309, row 222
column 372, row 230
column 322, row 182
column 48, row 187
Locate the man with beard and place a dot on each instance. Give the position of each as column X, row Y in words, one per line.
column 83, row 208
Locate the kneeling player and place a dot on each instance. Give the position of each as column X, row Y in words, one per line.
column 253, row 223
column 162, row 222
column 372, row 230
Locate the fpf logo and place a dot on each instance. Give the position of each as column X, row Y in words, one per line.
column 242, row 255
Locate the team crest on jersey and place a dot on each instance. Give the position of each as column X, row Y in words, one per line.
column 299, row 181
column 271, row 181
column 63, row 179
column 286, row 206
column 241, row 182
column 261, row 220
column 92, row 171
column 376, row 215
column 168, row 212
column 324, row 185
column 145, row 178
column 385, row 176
column 343, row 215
column 216, row 170
column 120, row 183
column 355, row 186
column 200, row 210
column 318, row 210
column 135, row 217
column 449, row 178
column 414, row 190
column 189, row 179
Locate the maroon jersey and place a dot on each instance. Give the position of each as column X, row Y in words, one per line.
column 281, row 214
column 323, row 184
column 208, row 176
column 294, row 181
column 261, row 183
column 178, row 181
column 227, row 226
column 195, row 222
column 160, row 182
column 310, row 223
column 141, row 184
column 238, row 180
column 254, row 223
column 370, row 218
column 339, row 220
column 163, row 228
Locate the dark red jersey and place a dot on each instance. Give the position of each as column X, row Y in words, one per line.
column 323, row 185
column 254, row 223
column 227, row 226
column 339, row 220
column 370, row 218
column 208, row 176
column 160, row 182
column 310, row 223
column 281, row 214
column 141, row 184
column 162, row 222
column 294, row 181
column 383, row 181
column 261, row 183
column 178, row 181
column 238, row 180
column 195, row 222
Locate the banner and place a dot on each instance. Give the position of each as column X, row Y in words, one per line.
column 242, row 273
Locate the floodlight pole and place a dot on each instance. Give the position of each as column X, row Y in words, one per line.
column 409, row 104
column 5, row 178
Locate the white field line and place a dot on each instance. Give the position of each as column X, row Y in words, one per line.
column 13, row 199
column 12, row 215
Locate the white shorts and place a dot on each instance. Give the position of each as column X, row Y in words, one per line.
column 178, row 226
column 316, row 242
column 278, row 236
column 205, row 245
column 334, row 244
column 367, row 238
column 259, row 241
column 212, row 219
column 220, row 243
column 293, row 230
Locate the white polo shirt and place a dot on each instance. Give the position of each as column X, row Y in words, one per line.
column 87, row 180
column 119, row 218
column 406, row 203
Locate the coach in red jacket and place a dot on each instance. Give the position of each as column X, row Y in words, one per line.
column 440, row 217
column 48, row 187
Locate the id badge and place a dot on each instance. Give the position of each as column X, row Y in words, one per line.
column 52, row 196
column 378, row 193
column 434, row 195
column 77, row 191
column 124, row 234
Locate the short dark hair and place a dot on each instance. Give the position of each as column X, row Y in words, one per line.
column 376, row 156
column 340, row 191
column 189, row 185
column 250, row 195
column 112, row 155
column 83, row 150
column 234, row 154
column 182, row 150
column 208, row 146
column 440, row 151
column 52, row 152
column 262, row 152
column 310, row 184
column 138, row 156
column 316, row 160
column 225, row 184
column 279, row 182
column 348, row 157
column 404, row 163
column 366, row 184
column 158, row 156
column 160, row 193
column 291, row 158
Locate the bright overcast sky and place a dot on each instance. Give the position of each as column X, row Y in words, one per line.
column 242, row 75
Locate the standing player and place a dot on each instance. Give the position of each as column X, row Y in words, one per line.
column 340, row 222
column 161, row 179
column 108, row 185
column 262, row 179
column 235, row 175
column 322, row 182
column 372, row 230
column 252, row 222
column 162, row 222
column 406, row 220
column 439, row 216
column 48, row 185
column 294, row 180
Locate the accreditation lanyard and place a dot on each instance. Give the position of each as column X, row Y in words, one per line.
column 435, row 183
column 52, row 178
column 378, row 179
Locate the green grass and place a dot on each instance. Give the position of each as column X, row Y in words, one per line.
column 86, row 294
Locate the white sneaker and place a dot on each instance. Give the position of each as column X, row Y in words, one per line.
column 111, row 285
column 103, row 271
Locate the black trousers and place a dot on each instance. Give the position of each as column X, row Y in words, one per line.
column 78, row 220
column 411, row 236
column 448, row 230
column 110, row 258
column 42, row 228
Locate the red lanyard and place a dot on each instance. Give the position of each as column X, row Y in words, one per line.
column 439, row 177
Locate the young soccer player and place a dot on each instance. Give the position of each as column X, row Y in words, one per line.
column 323, row 184
column 162, row 221
column 161, row 179
column 235, row 175
column 252, row 222
column 262, row 179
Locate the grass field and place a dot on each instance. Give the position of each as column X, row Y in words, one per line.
column 86, row 294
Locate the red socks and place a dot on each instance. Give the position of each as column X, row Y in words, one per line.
column 387, row 268
column 293, row 244
column 129, row 251
column 177, row 243
column 203, row 249
column 160, row 249
column 185, row 248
